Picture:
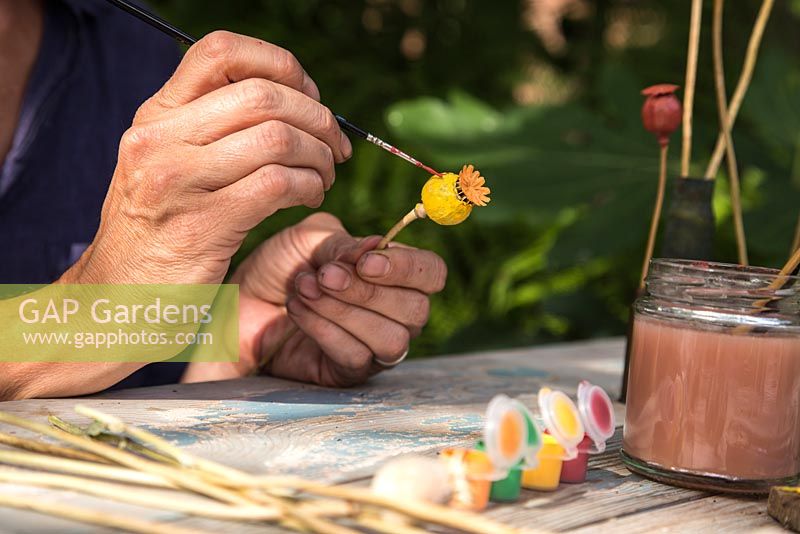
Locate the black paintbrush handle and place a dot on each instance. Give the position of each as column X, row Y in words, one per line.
column 155, row 21
column 351, row 128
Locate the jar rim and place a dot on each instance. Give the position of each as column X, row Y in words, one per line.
column 731, row 269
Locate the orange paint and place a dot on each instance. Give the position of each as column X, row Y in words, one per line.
column 510, row 436
column 470, row 473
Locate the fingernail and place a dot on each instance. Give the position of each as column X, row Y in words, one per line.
column 307, row 286
column 374, row 264
column 334, row 277
column 347, row 146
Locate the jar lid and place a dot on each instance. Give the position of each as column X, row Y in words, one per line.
column 597, row 414
column 510, row 434
column 562, row 420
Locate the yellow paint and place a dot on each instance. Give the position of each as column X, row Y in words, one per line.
column 546, row 475
column 510, row 435
column 470, row 472
column 440, row 198
column 566, row 417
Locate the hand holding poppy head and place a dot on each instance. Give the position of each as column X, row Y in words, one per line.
column 662, row 111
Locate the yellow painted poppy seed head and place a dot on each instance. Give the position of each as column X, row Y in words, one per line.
column 449, row 198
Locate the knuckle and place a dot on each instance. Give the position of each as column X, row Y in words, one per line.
column 330, row 162
column 277, row 137
column 439, row 275
column 395, row 343
column 256, row 94
column 217, row 44
column 328, row 122
column 138, row 141
column 287, row 65
column 274, row 182
column 420, row 311
column 369, row 295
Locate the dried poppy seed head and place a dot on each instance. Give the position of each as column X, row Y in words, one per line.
column 662, row 111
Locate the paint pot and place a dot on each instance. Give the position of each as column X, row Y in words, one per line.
column 564, row 431
column 597, row 415
column 512, row 441
column 510, row 434
column 507, row 488
column 546, row 475
column 562, row 420
column 470, row 477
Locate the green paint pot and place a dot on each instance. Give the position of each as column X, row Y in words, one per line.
column 507, row 489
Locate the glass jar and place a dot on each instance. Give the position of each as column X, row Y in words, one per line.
column 714, row 385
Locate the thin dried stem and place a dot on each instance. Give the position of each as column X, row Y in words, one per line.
column 742, row 85
column 722, row 105
column 47, row 448
column 159, row 499
column 82, row 468
column 94, row 517
column 651, row 239
column 99, row 432
column 431, row 513
column 417, row 213
column 180, row 477
column 691, row 78
column 796, row 240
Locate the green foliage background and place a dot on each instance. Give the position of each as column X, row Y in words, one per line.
column 557, row 254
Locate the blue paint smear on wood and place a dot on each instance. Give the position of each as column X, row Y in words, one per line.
column 283, row 411
column 517, row 372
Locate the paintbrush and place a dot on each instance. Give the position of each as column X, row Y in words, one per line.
column 183, row 37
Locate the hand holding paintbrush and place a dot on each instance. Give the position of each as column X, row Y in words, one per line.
column 183, row 37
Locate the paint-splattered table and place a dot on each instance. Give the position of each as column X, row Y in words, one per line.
column 266, row 425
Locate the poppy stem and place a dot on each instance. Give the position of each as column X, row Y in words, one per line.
column 741, row 87
column 417, row 213
column 691, row 77
column 724, row 128
column 651, row 240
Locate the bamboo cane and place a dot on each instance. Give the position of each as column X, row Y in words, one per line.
column 742, row 85
column 722, row 111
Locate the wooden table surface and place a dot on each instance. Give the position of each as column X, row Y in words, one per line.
column 266, row 425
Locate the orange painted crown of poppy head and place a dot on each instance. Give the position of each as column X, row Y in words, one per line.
column 472, row 186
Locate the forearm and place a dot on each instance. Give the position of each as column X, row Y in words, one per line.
column 47, row 379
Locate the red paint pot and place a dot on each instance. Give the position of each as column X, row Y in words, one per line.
column 597, row 416
column 574, row 471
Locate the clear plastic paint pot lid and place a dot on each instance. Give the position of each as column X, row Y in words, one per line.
column 561, row 419
column 510, row 434
column 597, row 413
